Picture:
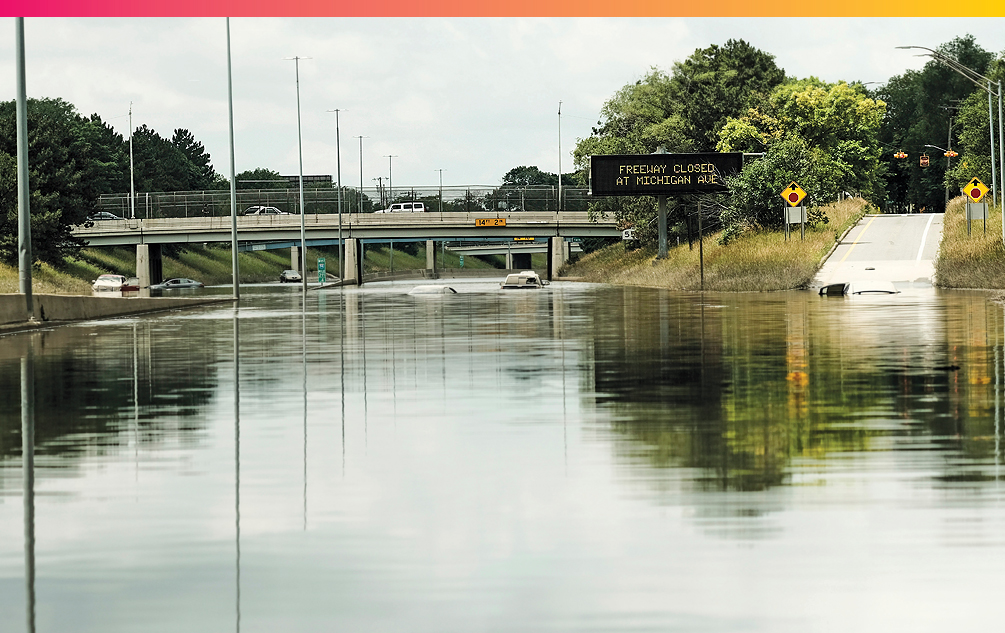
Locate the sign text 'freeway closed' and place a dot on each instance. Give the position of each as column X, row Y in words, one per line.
column 662, row 174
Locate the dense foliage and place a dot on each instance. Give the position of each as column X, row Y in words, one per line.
column 74, row 159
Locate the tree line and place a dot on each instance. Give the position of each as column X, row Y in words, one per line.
column 832, row 138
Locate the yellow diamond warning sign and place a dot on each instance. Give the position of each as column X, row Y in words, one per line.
column 975, row 190
column 793, row 194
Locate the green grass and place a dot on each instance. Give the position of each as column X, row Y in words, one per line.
column 970, row 261
column 757, row 260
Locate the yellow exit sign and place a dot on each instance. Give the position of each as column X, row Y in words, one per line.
column 490, row 222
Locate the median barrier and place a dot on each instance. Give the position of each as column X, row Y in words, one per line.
column 53, row 309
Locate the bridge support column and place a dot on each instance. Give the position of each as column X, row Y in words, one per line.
column 353, row 262
column 149, row 266
column 295, row 259
column 431, row 256
column 558, row 255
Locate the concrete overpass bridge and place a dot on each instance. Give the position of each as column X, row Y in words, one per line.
column 556, row 229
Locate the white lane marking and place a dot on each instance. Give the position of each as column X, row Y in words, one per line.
column 924, row 236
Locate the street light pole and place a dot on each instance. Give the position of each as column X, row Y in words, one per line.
column 441, row 191
column 338, row 172
column 559, row 155
column 360, row 196
column 235, row 269
column 132, row 187
column 300, row 147
column 390, row 181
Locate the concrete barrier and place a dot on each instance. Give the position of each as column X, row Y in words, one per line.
column 51, row 309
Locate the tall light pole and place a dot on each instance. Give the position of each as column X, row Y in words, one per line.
column 984, row 84
column 24, row 258
column 361, row 171
column 559, row 155
column 390, row 181
column 300, row 145
column 338, row 171
column 132, row 188
column 233, row 183
column 441, row 191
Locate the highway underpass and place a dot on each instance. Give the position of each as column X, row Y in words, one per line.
column 554, row 229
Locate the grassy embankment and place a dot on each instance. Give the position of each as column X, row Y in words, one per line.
column 211, row 265
column 970, row 261
column 757, row 260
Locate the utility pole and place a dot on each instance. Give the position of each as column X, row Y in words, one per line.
column 361, row 171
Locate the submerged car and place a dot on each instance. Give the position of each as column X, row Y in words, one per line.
column 110, row 283
column 526, row 280
column 432, row 290
column 177, row 283
column 289, row 275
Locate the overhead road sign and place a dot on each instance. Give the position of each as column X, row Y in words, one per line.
column 975, row 190
column 662, row 174
column 793, row 194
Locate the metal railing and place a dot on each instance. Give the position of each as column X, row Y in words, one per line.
column 469, row 199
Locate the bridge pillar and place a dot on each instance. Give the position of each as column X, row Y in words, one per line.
column 149, row 265
column 295, row 259
column 558, row 255
column 509, row 260
column 431, row 255
column 353, row 262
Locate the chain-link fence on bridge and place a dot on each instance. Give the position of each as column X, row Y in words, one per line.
column 470, row 199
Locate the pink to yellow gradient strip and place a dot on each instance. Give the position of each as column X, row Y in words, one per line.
column 502, row 8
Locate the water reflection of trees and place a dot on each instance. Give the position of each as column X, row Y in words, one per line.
column 100, row 387
column 742, row 387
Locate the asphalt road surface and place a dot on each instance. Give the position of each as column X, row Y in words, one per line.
column 895, row 248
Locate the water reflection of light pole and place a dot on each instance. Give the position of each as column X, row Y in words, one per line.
column 300, row 146
column 28, row 476
column 984, row 84
column 237, row 465
column 360, row 172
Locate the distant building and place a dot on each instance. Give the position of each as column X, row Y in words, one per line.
column 310, row 182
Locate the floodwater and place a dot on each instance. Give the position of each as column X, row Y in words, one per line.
column 580, row 458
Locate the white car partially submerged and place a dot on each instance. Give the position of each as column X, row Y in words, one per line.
column 526, row 280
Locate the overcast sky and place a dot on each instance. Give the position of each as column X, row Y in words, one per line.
column 474, row 97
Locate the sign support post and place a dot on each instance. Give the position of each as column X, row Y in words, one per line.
column 662, row 206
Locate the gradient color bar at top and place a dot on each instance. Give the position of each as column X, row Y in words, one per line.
column 498, row 8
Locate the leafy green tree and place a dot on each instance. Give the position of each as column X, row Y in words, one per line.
column 261, row 178
column 755, row 193
column 201, row 173
column 67, row 171
column 974, row 143
column 919, row 105
column 679, row 112
column 716, row 83
column 158, row 164
column 838, row 122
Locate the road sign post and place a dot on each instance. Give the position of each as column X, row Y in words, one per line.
column 793, row 195
column 976, row 210
column 322, row 276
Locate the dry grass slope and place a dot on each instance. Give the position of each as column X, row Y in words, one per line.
column 970, row 261
column 757, row 261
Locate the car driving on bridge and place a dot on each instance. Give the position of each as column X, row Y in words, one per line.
column 259, row 210
column 404, row 207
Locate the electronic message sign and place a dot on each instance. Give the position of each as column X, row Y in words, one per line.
column 662, row 174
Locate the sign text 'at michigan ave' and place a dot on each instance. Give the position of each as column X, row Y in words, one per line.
column 662, row 174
